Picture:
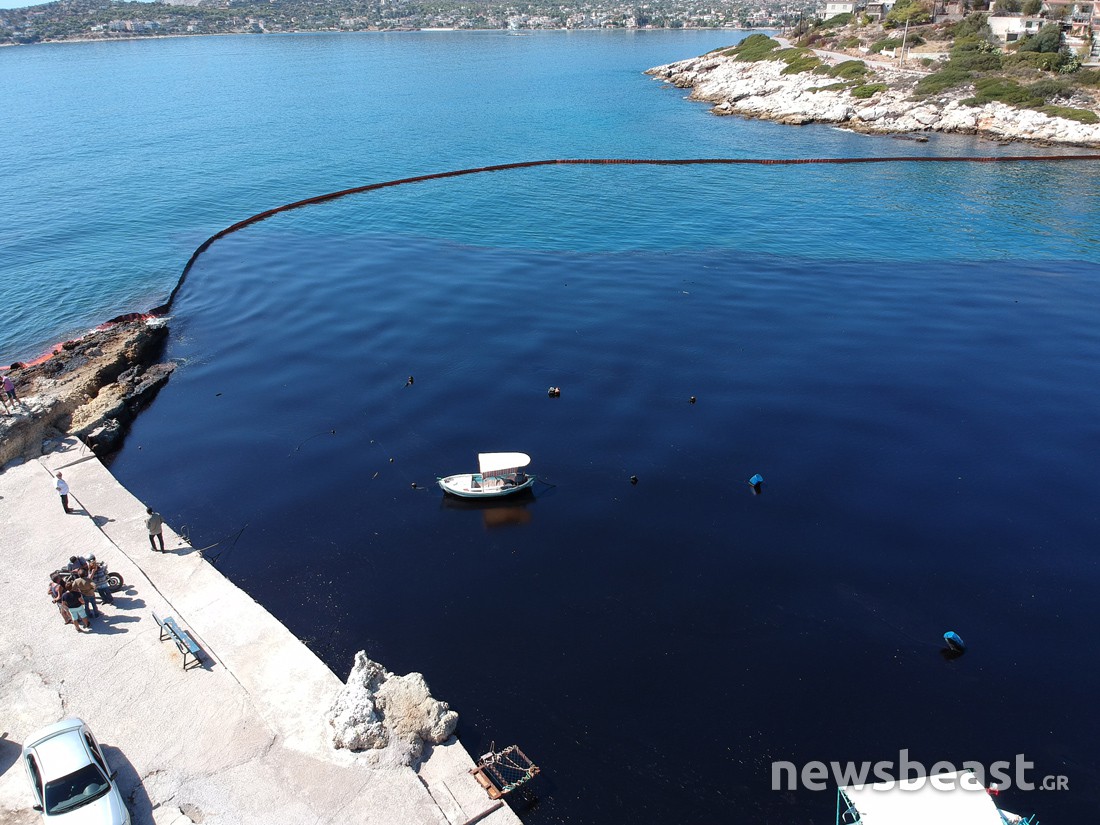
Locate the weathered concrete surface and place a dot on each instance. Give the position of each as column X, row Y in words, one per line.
column 241, row 739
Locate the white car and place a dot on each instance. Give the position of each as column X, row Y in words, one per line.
column 70, row 778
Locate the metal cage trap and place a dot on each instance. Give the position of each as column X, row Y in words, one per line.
column 501, row 772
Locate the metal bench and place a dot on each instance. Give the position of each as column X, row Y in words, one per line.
column 184, row 643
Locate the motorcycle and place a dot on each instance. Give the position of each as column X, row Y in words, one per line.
column 114, row 580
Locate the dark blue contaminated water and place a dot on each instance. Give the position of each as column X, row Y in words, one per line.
column 922, row 422
column 907, row 354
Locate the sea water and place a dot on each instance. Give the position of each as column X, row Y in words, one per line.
column 906, row 353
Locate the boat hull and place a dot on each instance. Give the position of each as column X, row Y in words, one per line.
column 462, row 486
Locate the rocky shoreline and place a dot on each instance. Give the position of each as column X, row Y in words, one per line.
column 761, row 90
column 91, row 387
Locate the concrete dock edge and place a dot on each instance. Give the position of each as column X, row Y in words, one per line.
column 241, row 738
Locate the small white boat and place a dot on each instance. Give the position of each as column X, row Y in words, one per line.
column 956, row 798
column 501, row 474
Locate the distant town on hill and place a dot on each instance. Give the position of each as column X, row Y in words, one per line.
column 111, row 19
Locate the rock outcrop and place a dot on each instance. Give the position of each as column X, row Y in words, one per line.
column 760, row 90
column 92, row 387
column 377, row 709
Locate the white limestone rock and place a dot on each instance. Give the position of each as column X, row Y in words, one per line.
column 377, row 709
column 761, row 90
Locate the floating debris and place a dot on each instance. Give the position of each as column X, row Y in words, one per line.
column 954, row 641
column 633, row 479
column 554, row 392
column 409, row 383
column 691, row 400
column 757, row 483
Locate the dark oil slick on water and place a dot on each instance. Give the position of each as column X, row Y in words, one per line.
column 919, row 423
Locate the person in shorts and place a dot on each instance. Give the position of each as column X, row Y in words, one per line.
column 77, row 612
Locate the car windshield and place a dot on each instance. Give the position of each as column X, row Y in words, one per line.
column 76, row 789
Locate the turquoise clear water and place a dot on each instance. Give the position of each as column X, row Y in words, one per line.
column 907, row 353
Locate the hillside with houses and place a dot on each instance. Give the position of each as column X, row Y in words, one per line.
column 67, row 20
column 1012, row 23
column 910, row 67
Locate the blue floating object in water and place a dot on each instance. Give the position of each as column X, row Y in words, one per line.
column 954, row 641
column 756, row 479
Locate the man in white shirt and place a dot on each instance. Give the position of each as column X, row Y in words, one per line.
column 63, row 490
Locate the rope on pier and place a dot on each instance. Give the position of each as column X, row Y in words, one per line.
column 503, row 167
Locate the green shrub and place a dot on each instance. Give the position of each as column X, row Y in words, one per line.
column 753, row 48
column 926, row 61
column 1070, row 62
column 849, row 69
column 975, row 61
column 1080, row 115
column 1051, row 89
column 1046, row 61
column 973, row 25
column 867, row 90
column 972, row 44
column 1003, row 90
column 839, row 20
column 887, row 43
column 946, row 78
column 1088, row 77
column 832, row 87
column 911, row 11
column 801, row 63
column 850, row 43
column 1048, row 39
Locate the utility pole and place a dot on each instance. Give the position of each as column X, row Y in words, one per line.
column 904, row 36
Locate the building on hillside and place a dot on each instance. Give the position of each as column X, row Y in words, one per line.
column 833, row 9
column 1080, row 26
column 1008, row 28
column 878, row 11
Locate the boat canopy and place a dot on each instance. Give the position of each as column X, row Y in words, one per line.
column 501, row 463
column 958, row 800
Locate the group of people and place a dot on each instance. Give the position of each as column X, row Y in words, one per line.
column 74, row 589
column 8, row 396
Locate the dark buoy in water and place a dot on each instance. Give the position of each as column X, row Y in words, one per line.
column 956, row 647
column 633, row 479
column 757, row 483
column 554, row 392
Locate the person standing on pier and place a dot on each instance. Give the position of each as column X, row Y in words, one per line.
column 63, row 490
column 155, row 525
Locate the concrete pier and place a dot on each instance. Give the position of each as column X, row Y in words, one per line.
column 241, row 739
